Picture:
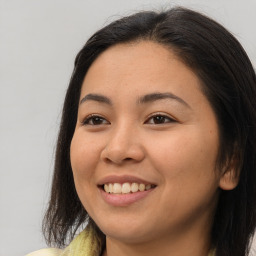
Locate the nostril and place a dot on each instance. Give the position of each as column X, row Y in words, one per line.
column 118, row 155
column 128, row 159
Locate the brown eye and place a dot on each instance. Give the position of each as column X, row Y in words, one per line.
column 159, row 119
column 95, row 120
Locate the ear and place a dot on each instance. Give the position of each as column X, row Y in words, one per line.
column 229, row 179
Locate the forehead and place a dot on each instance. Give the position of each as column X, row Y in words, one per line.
column 139, row 68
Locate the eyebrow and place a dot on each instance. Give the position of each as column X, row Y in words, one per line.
column 96, row 97
column 148, row 98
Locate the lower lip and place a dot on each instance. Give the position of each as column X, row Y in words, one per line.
column 124, row 199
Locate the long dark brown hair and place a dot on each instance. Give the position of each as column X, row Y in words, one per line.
column 228, row 81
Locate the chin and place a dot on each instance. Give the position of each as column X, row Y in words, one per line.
column 125, row 232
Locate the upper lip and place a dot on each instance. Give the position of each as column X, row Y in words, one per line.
column 122, row 179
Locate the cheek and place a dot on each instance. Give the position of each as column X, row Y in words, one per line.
column 186, row 163
column 186, row 156
column 83, row 156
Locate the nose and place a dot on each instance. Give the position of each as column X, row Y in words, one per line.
column 123, row 146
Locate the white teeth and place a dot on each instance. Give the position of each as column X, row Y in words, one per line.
column 142, row 187
column 117, row 188
column 148, row 186
column 110, row 188
column 134, row 187
column 126, row 187
column 106, row 188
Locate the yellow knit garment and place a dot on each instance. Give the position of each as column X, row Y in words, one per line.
column 85, row 244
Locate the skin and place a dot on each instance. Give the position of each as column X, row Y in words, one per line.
column 177, row 154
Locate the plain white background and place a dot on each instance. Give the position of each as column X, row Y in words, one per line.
column 38, row 43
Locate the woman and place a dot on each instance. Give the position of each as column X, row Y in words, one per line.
column 156, row 150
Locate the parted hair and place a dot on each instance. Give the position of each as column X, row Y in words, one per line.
column 228, row 81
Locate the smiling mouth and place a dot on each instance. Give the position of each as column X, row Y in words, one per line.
column 126, row 188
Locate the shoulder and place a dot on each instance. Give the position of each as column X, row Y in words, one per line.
column 46, row 252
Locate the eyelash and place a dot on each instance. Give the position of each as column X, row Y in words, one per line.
column 93, row 119
column 162, row 116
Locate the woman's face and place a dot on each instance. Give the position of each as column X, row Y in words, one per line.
column 144, row 124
